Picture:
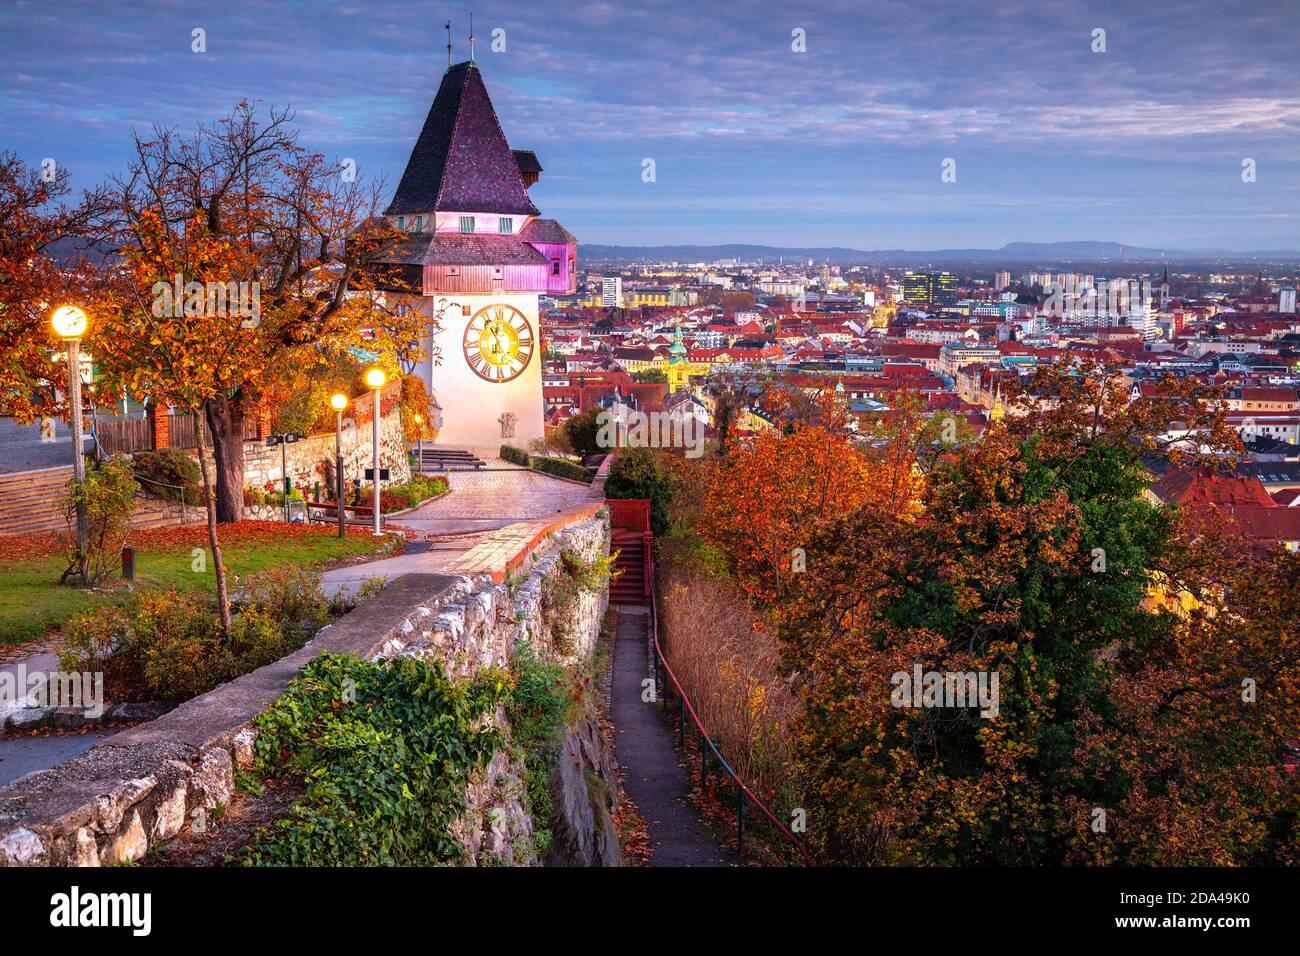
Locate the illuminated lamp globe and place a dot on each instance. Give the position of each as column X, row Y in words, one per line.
column 338, row 401
column 376, row 378
column 69, row 322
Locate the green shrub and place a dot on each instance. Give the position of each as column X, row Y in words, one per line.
column 166, row 644
column 385, row 751
column 563, row 468
column 544, row 697
column 583, row 432
column 290, row 596
column 91, row 640
column 516, row 456
column 169, row 467
column 635, row 473
column 107, row 496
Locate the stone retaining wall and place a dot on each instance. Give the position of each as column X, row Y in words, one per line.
column 306, row 458
column 146, row 784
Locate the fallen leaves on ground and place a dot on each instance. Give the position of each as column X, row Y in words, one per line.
column 15, row 548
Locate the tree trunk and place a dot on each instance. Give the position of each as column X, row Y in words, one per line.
column 226, row 422
column 223, row 599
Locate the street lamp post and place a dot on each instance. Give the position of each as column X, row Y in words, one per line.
column 375, row 378
column 419, row 445
column 339, row 401
column 70, row 324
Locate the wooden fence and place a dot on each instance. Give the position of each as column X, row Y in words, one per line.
column 182, row 432
column 122, row 436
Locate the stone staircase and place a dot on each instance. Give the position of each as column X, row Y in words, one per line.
column 29, row 504
column 629, row 586
column 437, row 460
column 29, row 500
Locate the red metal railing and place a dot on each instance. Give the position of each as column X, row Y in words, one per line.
column 629, row 514
column 743, row 793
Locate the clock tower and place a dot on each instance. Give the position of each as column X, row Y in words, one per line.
column 475, row 259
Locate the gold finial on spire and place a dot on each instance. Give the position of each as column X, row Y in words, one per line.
column 449, row 44
column 471, row 38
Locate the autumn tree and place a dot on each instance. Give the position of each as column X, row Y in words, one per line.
column 241, row 206
column 1120, row 734
column 41, row 265
column 776, row 492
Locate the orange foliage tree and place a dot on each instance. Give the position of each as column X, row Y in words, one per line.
column 277, row 254
column 35, row 227
column 775, row 492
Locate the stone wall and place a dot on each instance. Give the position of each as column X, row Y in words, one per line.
column 306, row 458
column 146, row 784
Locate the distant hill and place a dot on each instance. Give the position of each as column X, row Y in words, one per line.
column 1085, row 251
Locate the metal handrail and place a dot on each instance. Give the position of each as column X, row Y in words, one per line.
column 687, row 707
column 103, row 454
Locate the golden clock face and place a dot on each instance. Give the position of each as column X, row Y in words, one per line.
column 498, row 343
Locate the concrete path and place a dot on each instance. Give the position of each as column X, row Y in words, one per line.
column 432, row 559
column 478, row 502
column 487, row 500
column 16, row 674
column 20, row 756
column 652, row 776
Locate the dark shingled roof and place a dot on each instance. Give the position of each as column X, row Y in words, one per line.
column 462, row 162
column 457, row 249
column 527, row 161
column 546, row 230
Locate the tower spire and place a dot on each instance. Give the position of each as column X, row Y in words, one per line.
column 471, row 38
column 449, row 44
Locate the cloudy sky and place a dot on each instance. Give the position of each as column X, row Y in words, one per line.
column 752, row 142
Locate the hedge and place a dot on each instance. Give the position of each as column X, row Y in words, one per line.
column 560, row 467
column 516, row 456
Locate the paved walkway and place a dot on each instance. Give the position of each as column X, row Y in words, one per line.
column 652, row 777
column 478, row 502
column 486, row 500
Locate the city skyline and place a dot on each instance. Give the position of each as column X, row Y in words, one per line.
column 841, row 145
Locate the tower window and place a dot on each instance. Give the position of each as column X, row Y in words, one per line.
column 419, row 224
column 505, row 225
column 401, row 222
column 466, row 223
column 555, row 267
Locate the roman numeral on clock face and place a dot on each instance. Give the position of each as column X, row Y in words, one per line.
column 498, row 343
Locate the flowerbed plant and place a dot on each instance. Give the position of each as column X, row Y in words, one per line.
column 399, row 497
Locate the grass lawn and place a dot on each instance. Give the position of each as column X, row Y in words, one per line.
column 32, row 603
